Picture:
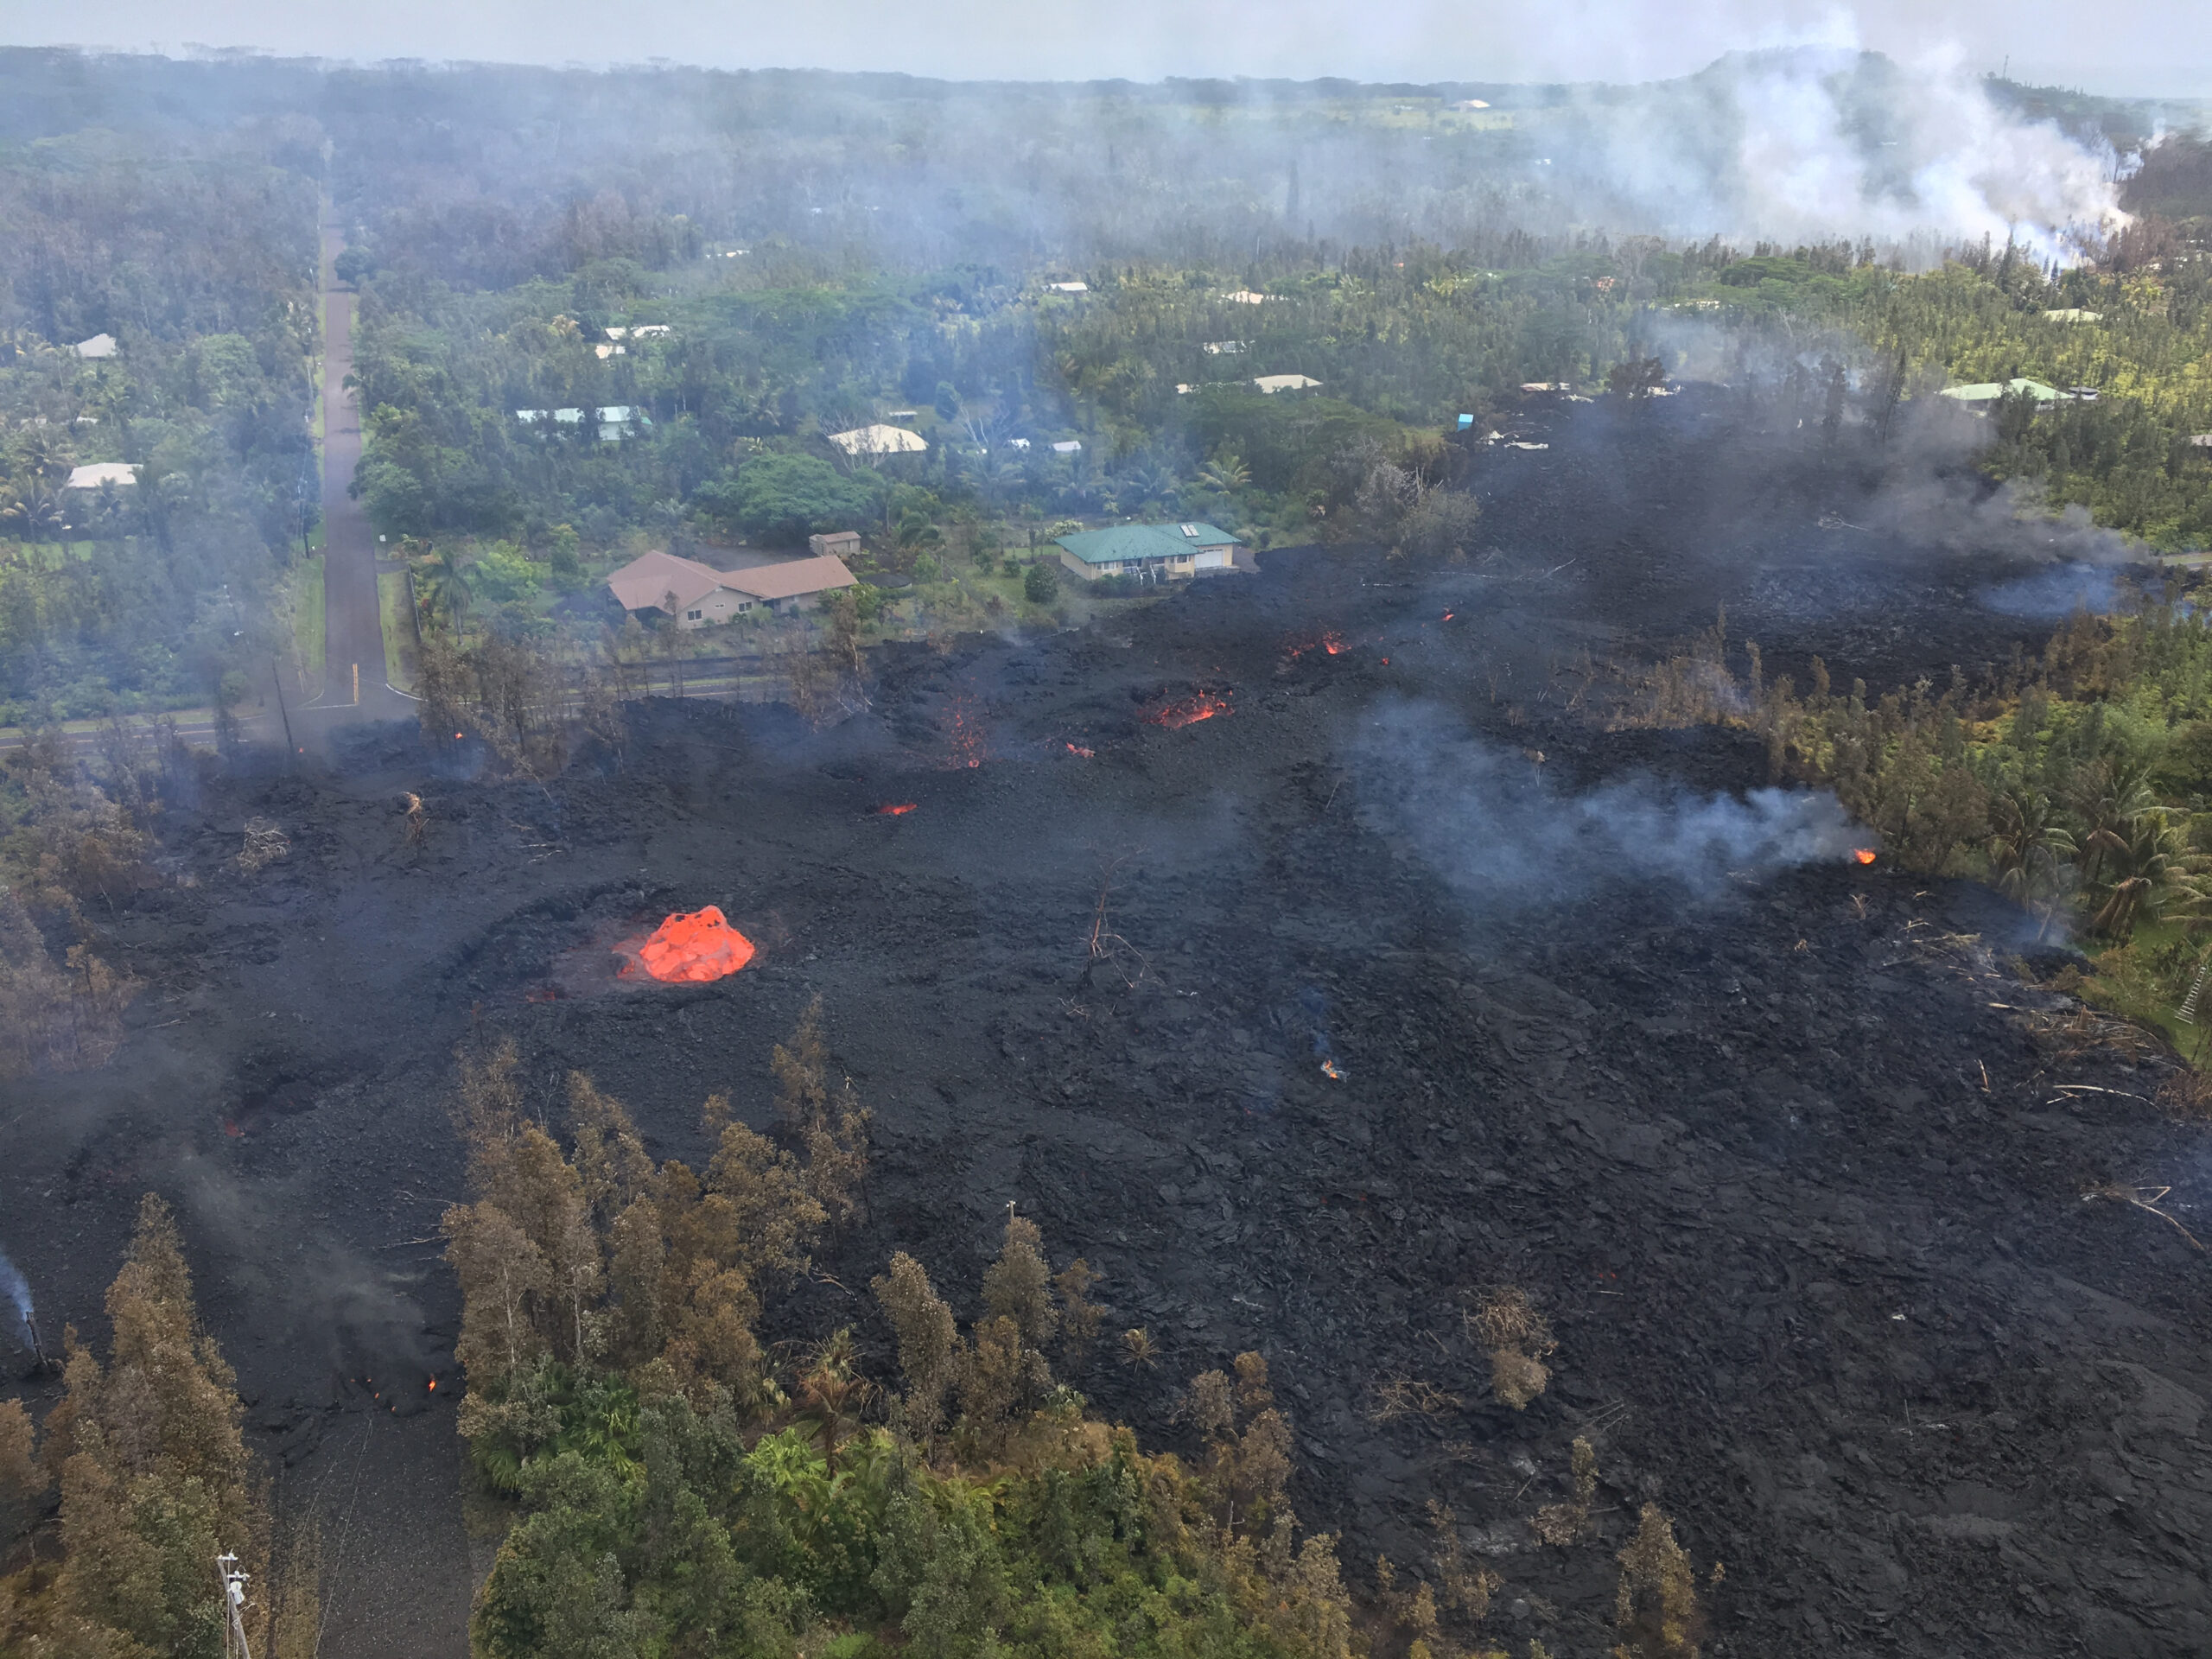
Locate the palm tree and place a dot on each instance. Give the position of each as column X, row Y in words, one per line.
column 446, row 587
column 1225, row 474
column 831, row 1393
column 914, row 537
column 35, row 511
column 2108, row 797
column 2026, row 846
column 2152, row 874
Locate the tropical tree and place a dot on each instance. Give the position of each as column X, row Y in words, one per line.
column 2152, row 874
column 2027, row 848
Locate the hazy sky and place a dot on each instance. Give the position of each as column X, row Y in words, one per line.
column 2146, row 46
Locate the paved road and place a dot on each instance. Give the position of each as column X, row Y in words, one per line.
column 352, row 624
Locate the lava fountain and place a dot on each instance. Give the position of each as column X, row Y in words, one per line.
column 691, row 948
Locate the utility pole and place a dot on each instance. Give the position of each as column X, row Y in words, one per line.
column 233, row 1583
column 277, row 678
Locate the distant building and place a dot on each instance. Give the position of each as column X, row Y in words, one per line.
column 1246, row 296
column 696, row 594
column 648, row 331
column 1068, row 446
column 98, row 345
column 837, row 545
column 603, row 351
column 616, row 421
column 100, row 473
column 1069, row 288
column 2201, row 440
column 1221, row 347
column 1982, row 393
column 1150, row 552
column 1272, row 383
column 876, row 439
column 1472, row 104
column 2073, row 313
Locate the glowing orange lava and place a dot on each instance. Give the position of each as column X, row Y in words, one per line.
column 1864, row 855
column 895, row 810
column 1330, row 1067
column 691, row 948
column 1088, row 754
column 1175, row 715
column 1331, row 642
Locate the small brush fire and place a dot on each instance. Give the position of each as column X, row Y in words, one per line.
column 1188, row 711
column 689, row 948
column 893, row 809
column 1863, row 854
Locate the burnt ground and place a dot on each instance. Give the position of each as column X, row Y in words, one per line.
column 1766, row 1134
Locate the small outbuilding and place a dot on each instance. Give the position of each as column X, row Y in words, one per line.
column 1272, row 383
column 837, row 545
column 1151, row 552
column 98, row 345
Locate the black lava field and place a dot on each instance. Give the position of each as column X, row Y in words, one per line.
column 1766, row 1134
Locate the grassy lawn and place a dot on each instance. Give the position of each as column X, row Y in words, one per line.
column 308, row 620
column 400, row 662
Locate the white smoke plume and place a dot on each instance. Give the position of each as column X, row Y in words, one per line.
column 1817, row 142
column 1491, row 823
column 18, row 1290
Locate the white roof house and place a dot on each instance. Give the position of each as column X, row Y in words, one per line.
column 1246, row 296
column 2073, row 313
column 615, row 419
column 1069, row 288
column 1221, row 347
column 878, row 439
column 1068, row 446
column 1275, row 383
column 98, row 345
column 100, row 473
column 647, row 331
column 605, row 350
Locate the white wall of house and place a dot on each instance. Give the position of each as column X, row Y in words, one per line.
column 720, row 606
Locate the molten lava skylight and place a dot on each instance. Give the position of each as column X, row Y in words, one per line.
column 691, row 948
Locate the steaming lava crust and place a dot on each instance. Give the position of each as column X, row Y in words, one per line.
column 1835, row 1302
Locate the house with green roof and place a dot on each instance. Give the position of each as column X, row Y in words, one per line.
column 1151, row 552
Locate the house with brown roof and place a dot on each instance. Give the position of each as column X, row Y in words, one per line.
column 696, row 594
